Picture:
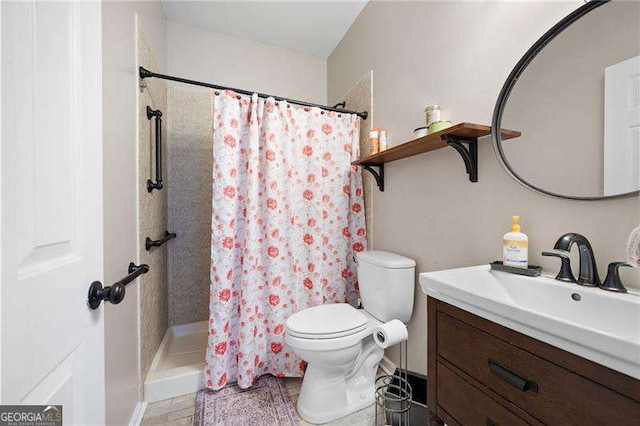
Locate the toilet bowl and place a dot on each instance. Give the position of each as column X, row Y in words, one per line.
column 337, row 343
column 341, row 363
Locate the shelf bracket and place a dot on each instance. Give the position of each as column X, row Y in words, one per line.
column 377, row 175
column 469, row 153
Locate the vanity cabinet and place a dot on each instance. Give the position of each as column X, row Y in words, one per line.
column 481, row 373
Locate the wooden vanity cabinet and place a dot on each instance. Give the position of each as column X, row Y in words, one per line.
column 481, row 373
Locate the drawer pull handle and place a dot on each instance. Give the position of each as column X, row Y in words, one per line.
column 491, row 423
column 512, row 378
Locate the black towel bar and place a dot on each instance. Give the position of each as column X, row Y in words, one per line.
column 149, row 243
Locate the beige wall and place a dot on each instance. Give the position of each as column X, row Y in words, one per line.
column 230, row 61
column 224, row 60
column 457, row 54
column 120, row 185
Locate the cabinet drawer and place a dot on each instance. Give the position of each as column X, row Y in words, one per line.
column 469, row 405
column 543, row 389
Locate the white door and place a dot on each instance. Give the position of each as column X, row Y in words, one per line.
column 52, row 345
column 622, row 127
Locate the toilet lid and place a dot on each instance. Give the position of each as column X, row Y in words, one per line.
column 327, row 321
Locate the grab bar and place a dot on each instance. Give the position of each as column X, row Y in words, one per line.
column 151, row 185
column 149, row 243
column 115, row 293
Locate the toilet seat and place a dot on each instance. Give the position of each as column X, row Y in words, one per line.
column 313, row 336
column 327, row 327
column 327, row 344
column 326, row 322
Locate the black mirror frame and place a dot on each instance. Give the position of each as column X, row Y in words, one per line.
column 509, row 85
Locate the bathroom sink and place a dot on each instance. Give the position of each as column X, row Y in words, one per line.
column 601, row 326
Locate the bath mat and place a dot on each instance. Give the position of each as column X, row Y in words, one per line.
column 265, row 403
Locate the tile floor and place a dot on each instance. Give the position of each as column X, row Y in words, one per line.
column 174, row 411
column 179, row 411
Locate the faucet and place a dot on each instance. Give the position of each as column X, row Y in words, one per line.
column 588, row 270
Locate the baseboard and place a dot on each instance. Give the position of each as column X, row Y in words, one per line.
column 138, row 413
column 387, row 365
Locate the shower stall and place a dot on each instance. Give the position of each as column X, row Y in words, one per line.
column 173, row 336
column 175, row 164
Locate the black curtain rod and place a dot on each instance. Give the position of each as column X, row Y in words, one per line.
column 145, row 73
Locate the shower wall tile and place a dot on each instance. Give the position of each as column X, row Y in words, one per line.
column 194, row 171
column 360, row 98
column 153, row 318
column 152, row 215
column 189, row 136
column 191, row 300
column 192, row 207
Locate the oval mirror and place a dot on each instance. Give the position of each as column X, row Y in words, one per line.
column 575, row 96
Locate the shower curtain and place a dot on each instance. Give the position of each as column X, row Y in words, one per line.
column 288, row 218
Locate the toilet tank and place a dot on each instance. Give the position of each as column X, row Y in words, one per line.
column 387, row 282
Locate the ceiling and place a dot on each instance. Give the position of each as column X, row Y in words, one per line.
column 311, row 27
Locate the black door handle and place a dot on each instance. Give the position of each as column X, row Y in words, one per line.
column 115, row 293
column 513, row 379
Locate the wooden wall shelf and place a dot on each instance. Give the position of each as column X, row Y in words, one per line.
column 456, row 136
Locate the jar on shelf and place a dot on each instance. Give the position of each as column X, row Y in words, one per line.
column 433, row 114
column 374, row 141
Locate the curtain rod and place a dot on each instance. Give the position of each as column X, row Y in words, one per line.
column 145, row 73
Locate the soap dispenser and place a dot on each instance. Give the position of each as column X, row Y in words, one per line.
column 515, row 246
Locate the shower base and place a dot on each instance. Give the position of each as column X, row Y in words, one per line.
column 177, row 366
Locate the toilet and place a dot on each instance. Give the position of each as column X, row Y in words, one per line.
column 337, row 343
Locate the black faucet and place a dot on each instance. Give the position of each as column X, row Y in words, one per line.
column 588, row 275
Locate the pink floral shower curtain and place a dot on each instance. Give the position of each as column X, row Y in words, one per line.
column 288, row 217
